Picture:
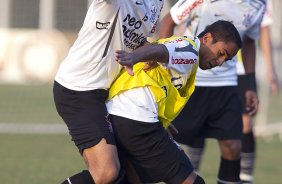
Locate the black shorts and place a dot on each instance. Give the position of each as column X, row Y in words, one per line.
column 153, row 154
column 85, row 115
column 211, row 112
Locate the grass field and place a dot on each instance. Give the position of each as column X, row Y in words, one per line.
column 49, row 159
column 34, row 103
column 27, row 104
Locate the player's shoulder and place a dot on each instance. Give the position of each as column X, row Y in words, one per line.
column 177, row 39
column 181, row 44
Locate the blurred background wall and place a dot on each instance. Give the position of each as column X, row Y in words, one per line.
column 35, row 36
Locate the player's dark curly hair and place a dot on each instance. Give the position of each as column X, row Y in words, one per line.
column 225, row 31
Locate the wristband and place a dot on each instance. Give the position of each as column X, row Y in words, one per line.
column 250, row 81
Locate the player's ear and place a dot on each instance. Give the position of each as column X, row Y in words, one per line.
column 207, row 38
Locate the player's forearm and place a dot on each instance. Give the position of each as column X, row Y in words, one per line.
column 157, row 53
column 249, row 55
column 266, row 47
column 249, row 58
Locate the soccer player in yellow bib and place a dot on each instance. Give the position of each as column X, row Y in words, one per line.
column 142, row 102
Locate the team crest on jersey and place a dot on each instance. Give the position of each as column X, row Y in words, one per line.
column 154, row 14
column 101, row 25
column 247, row 20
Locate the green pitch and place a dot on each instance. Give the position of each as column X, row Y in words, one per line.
column 27, row 104
column 267, row 170
column 49, row 159
column 34, row 103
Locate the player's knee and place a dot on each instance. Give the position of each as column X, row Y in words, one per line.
column 112, row 173
column 231, row 150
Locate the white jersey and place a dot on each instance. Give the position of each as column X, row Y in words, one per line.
column 246, row 15
column 266, row 21
column 109, row 25
column 139, row 103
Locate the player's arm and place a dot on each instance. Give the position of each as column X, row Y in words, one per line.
column 167, row 26
column 179, row 13
column 266, row 47
column 249, row 56
column 149, row 52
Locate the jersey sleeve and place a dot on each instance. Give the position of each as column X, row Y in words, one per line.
column 181, row 10
column 268, row 15
column 254, row 30
column 182, row 55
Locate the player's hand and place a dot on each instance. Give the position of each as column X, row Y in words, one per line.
column 171, row 130
column 274, row 83
column 125, row 59
column 252, row 102
column 150, row 65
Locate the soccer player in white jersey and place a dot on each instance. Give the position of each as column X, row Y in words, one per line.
column 214, row 110
column 83, row 78
column 142, row 106
column 248, row 154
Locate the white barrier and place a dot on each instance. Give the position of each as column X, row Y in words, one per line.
column 31, row 55
column 268, row 131
column 4, row 45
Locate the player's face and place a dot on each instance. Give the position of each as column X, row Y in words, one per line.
column 214, row 54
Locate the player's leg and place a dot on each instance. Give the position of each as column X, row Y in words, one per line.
column 229, row 168
column 193, row 178
column 153, row 154
column 248, row 141
column 86, row 116
column 190, row 124
column 102, row 162
column 225, row 125
column 195, row 152
column 248, row 154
